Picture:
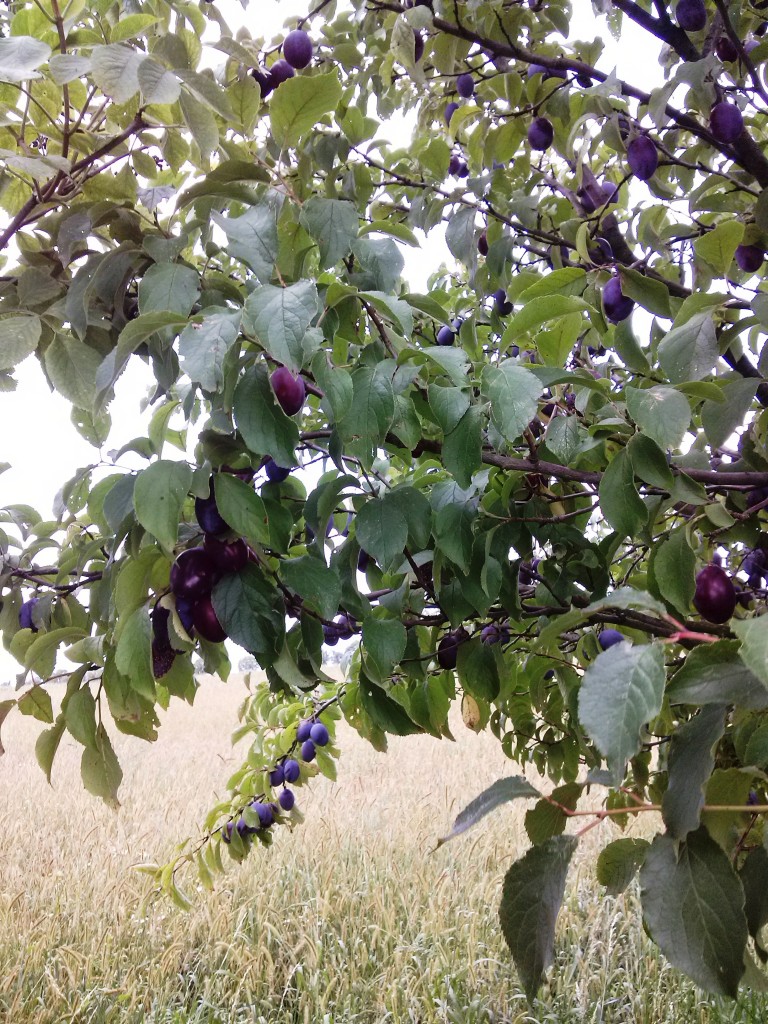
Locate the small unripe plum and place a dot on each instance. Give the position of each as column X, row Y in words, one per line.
column 540, row 134
column 726, row 122
column 749, row 258
column 289, row 390
column 726, row 50
column 307, row 750
column 281, row 71
column 501, row 304
column 691, row 15
column 298, row 49
column 319, row 734
column 482, row 244
column 609, row 638
column 193, row 574
column 25, row 614
column 275, row 474
column 642, row 157
column 715, row 595
column 465, row 85
column 206, row 621
column 277, row 776
column 304, row 729
column 286, row 799
column 229, row 556
column 291, row 770
column 445, row 336
column 617, row 306
column 450, row 110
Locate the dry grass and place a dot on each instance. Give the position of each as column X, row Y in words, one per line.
column 348, row 919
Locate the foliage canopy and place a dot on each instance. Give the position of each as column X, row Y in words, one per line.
column 513, row 482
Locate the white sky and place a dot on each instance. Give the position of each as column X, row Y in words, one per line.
column 38, row 439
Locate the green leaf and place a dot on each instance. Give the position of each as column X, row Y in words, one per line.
column 622, row 506
column 100, row 769
column 689, row 352
column 715, row 674
column 37, row 703
column 530, row 902
column 47, row 744
column 311, row 579
column 280, row 317
column 169, row 288
column 204, row 346
column 80, row 717
column 546, row 818
column 717, row 247
column 73, row 366
column 201, row 123
column 513, row 393
column 252, row 238
column 115, row 69
column 297, row 106
column 251, row 611
column 158, row 496
column 242, row 508
column 693, row 908
column 619, row 862
column 373, row 408
column 384, row 642
column 649, row 293
column 382, row 531
column 157, row 83
column 753, row 634
column 40, row 656
column 333, row 223
column 674, row 566
column 662, row 413
column 540, row 311
column 691, row 760
column 19, row 336
column 462, row 447
column 385, row 713
column 264, row 426
column 478, row 670
column 20, row 56
column 649, row 462
column 752, row 874
column 502, row 791
column 620, row 693
column 133, row 657
column 720, row 419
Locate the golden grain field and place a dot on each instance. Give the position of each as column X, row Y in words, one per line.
column 351, row 918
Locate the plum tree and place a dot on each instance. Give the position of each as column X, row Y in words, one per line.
column 551, row 510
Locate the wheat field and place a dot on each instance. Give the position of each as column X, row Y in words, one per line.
column 353, row 917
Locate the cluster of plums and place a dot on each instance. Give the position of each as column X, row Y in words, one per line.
column 310, row 734
column 297, row 54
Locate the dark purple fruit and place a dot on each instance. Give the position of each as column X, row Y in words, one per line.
column 465, row 86
column 280, row 72
column 450, row 110
column 715, row 595
column 616, row 305
column 318, row 734
column 494, row 633
column 276, row 474
column 206, row 621
column 448, row 648
column 749, row 258
column 418, row 46
column 163, row 656
column 330, row 635
column 726, row 50
column 445, row 336
column 527, row 574
column 458, row 167
column 726, row 122
column 691, row 15
column 502, row 305
column 289, row 390
column 540, row 134
column 363, row 561
column 286, row 799
column 25, row 614
column 307, row 750
column 193, row 574
column 291, row 770
column 345, row 626
column 609, row 638
column 265, row 812
column 229, row 556
column 536, row 69
column 642, row 157
column 277, row 776
column 264, row 78
column 185, row 606
column 482, row 244
column 207, row 512
column 304, row 729
column 298, row 49
column 227, row 830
